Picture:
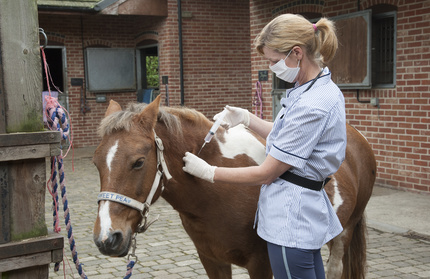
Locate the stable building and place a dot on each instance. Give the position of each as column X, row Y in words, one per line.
column 200, row 54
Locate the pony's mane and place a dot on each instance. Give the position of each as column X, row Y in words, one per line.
column 169, row 116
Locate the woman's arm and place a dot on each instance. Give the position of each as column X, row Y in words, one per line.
column 266, row 173
column 260, row 126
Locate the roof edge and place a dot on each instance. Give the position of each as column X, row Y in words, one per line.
column 103, row 4
column 64, row 8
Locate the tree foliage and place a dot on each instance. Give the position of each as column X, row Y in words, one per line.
column 152, row 71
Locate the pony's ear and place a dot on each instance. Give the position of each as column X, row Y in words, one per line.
column 148, row 117
column 113, row 107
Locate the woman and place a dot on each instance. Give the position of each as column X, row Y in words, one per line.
column 304, row 145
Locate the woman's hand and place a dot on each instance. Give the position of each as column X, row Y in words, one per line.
column 198, row 167
column 235, row 116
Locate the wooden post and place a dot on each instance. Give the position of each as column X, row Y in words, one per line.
column 21, row 79
column 24, row 147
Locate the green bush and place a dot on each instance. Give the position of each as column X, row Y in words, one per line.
column 152, row 71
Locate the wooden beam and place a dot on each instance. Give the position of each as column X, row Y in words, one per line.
column 21, row 146
column 50, row 242
column 19, row 139
column 25, row 261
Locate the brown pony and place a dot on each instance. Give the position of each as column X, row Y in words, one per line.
column 140, row 159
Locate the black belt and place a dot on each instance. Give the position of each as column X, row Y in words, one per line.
column 304, row 182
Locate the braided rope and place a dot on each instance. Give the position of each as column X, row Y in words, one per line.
column 58, row 121
column 129, row 269
column 54, row 194
column 67, row 219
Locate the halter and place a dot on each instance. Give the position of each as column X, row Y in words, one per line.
column 143, row 208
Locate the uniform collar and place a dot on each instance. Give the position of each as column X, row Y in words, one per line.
column 297, row 90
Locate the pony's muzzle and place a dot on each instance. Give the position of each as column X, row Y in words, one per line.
column 113, row 245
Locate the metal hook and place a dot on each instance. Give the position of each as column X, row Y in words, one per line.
column 133, row 248
column 41, row 31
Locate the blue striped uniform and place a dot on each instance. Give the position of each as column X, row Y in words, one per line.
column 309, row 134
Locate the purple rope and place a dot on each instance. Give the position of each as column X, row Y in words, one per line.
column 55, row 205
column 58, row 121
column 59, row 161
column 129, row 269
column 67, row 219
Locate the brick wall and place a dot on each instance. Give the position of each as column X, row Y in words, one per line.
column 399, row 131
column 215, row 51
column 216, row 54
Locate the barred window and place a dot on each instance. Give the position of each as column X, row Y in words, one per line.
column 384, row 50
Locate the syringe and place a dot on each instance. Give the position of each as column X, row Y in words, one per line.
column 213, row 129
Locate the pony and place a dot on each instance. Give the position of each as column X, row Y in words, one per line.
column 139, row 160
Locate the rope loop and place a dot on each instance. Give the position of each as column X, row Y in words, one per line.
column 57, row 118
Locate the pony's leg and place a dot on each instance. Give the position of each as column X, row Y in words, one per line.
column 337, row 251
column 256, row 272
column 260, row 268
column 216, row 270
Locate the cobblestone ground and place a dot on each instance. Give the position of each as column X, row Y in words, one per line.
column 166, row 252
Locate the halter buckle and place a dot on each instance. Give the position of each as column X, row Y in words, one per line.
column 159, row 143
column 141, row 228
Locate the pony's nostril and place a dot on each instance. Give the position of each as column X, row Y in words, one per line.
column 115, row 240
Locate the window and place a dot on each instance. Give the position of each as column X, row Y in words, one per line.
column 110, row 69
column 384, row 49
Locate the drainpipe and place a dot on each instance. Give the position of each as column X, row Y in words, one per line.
column 181, row 62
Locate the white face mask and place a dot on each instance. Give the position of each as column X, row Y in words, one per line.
column 284, row 72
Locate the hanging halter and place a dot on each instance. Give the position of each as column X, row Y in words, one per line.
column 143, row 208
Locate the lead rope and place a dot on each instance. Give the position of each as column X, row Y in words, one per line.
column 258, row 99
column 57, row 121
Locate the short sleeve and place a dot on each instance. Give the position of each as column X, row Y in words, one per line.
column 300, row 132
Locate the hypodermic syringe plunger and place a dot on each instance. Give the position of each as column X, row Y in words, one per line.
column 214, row 128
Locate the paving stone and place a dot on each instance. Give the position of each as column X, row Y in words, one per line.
column 166, row 252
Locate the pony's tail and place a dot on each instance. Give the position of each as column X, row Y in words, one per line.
column 354, row 260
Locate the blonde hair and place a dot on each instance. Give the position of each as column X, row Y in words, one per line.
column 289, row 30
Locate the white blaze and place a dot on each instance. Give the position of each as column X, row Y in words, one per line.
column 104, row 216
column 111, row 155
column 239, row 140
column 105, row 221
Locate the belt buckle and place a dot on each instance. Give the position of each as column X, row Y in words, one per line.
column 322, row 185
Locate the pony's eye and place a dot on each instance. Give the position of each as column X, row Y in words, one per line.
column 138, row 164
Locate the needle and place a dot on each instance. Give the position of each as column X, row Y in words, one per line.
column 201, row 148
